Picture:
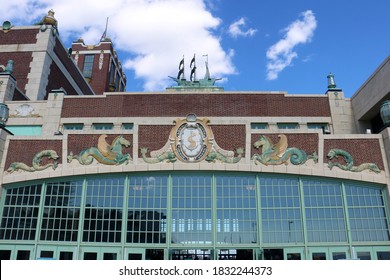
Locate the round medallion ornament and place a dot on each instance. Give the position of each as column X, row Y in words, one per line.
column 190, row 139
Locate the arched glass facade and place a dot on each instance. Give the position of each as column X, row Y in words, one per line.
column 195, row 215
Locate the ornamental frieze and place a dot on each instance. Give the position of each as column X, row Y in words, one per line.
column 191, row 140
column 36, row 162
column 279, row 153
column 349, row 163
column 104, row 153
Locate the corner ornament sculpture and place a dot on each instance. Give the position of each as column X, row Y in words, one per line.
column 349, row 166
column 108, row 154
column 279, row 153
column 36, row 162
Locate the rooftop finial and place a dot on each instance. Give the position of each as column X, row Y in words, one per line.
column 331, row 82
column 49, row 19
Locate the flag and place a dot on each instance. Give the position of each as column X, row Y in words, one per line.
column 181, row 65
column 193, row 71
column 192, row 63
column 181, row 72
column 180, row 75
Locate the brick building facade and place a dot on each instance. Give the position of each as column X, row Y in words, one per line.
column 185, row 175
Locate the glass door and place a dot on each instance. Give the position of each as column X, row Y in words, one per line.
column 103, row 253
column 362, row 253
column 294, row 254
column 56, row 252
column 318, row 253
column 16, row 252
column 339, row 253
column 135, row 254
column 330, row 253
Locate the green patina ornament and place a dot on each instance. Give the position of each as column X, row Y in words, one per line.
column 194, row 84
column 335, row 153
column 213, row 156
column 104, row 153
column 168, row 156
column 36, row 162
column 9, row 68
column 276, row 154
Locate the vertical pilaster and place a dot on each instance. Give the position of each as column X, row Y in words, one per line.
column 53, row 113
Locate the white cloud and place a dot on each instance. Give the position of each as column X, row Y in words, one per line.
column 281, row 54
column 153, row 34
column 235, row 29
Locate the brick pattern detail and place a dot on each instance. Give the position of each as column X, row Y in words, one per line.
column 100, row 77
column 18, row 95
column 25, row 150
column 361, row 150
column 218, row 105
column 229, row 137
column 22, row 62
column 58, row 79
column 21, row 36
column 153, row 137
column 80, row 142
column 304, row 141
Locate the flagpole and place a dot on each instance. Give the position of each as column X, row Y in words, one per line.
column 104, row 35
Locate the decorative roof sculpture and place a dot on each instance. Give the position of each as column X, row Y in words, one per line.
column 194, row 84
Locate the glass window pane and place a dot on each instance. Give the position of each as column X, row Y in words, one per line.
column 147, row 209
column 20, row 217
column 324, row 211
column 367, row 213
column 88, row 65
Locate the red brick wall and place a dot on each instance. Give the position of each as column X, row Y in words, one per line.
column 19, row 36
column 80, row 142
column 180, row 105
column 100, row 77
column 22, row 62
column 304, row 141
column 153, row 137
column 361, row 150
column 57, row 80
column 229, row 137
column 25, row 150
column 18, row 95
column 62, row 54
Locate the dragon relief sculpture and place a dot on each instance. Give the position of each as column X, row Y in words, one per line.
column 214, row 155
column 168, row 156
column 36, row 162
column 279, row 153
column 349, row 166
column 104, row 153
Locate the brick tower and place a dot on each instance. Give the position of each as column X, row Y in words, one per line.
column 99, row 65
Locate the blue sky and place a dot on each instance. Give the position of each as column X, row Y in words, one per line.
column 253, row 45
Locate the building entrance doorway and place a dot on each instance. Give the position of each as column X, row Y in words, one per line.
column 93, row 253
column 296, row 253
column 273, row 254
column 56, row 252
column 235, row 254
column 191, row 254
